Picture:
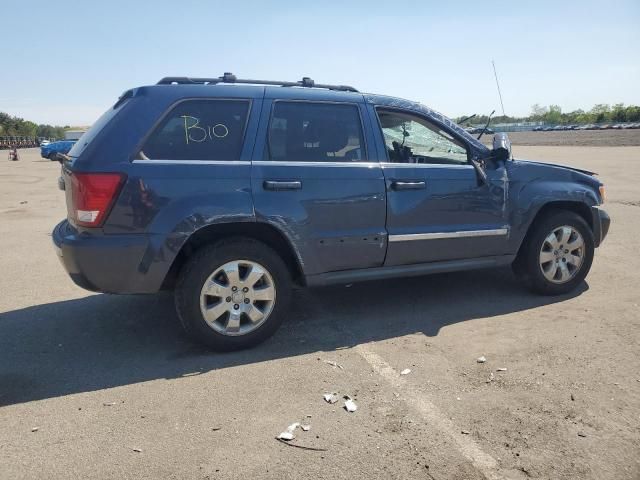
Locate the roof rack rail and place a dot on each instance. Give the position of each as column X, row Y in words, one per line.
column 231, row 78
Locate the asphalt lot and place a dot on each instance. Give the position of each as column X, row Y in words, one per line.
column 102, row 376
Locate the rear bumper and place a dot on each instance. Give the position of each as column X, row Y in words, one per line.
column 601, row 223
column 104, row 263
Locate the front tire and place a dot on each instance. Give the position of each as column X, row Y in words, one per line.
column 233, row 294
column 557, row 254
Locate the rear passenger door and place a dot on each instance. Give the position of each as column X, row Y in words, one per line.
column 312, row 178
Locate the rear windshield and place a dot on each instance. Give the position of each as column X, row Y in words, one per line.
column 106, row 117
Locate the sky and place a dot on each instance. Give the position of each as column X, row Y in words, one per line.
column 66, row 62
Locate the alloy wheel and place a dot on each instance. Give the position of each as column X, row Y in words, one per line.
column 237, row 297
column 562, row 254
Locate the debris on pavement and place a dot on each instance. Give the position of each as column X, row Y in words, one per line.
column 349, row 404
column 502, row 369
column 406, row 371
column 481, row 359
column 215, row 429
column 109, row 404
column 137, row 450
column 330, row 397
column 491, row 377
column 313, row 449
column 288, row 433
column 465, row 432
column 334, row 364
column 286, row 436
column 573, row 399
column 35, row 429
column 581, row 434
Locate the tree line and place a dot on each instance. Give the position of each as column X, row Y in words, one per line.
column 11, row 126
column 553, row 114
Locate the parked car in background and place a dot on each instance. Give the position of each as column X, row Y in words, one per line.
column 477, row 130
column 51, row 149
column 231, row 192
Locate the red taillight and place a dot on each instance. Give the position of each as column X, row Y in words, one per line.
column 93, row 195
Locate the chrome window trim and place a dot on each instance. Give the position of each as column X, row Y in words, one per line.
column 442, row 235
column 277, row 163
column 296, row 163
column 424, row 165
column 192, row 162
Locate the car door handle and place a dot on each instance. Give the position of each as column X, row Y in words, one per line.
column 282, row 185
column 408, row 185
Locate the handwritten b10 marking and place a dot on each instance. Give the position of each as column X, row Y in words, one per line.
column 193, row 132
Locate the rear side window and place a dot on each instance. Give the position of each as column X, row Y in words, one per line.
column 315, row 132
column 199, row 130
column 97, row 127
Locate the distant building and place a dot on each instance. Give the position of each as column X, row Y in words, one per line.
column 73, row 134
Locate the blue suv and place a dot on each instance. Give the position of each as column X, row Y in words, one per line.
column 231, row 192
column 52, row 149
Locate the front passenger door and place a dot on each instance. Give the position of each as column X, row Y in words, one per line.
column 437, row 208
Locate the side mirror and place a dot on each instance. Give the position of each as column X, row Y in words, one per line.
column 501, row 147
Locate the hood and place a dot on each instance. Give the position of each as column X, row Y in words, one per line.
column 555, row 165
column 549, row 182
column 526, row 171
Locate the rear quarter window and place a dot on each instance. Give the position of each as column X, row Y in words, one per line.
column 99, row 124
column 198, row 130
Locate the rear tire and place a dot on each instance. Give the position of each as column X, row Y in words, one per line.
column 233, row 294
column 52, row 156
column 557, row 254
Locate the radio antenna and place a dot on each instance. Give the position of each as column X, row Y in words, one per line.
column 498, row 85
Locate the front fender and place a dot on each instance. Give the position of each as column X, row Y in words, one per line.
column 531, row 197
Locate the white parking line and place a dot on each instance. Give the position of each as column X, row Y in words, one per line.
column 481, row 460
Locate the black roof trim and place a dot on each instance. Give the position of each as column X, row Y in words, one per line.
column 231, row 78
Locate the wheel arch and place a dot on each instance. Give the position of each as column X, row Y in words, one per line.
column 263, row 232
column 579, row 208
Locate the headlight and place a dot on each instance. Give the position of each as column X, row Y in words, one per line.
column 603, row 194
